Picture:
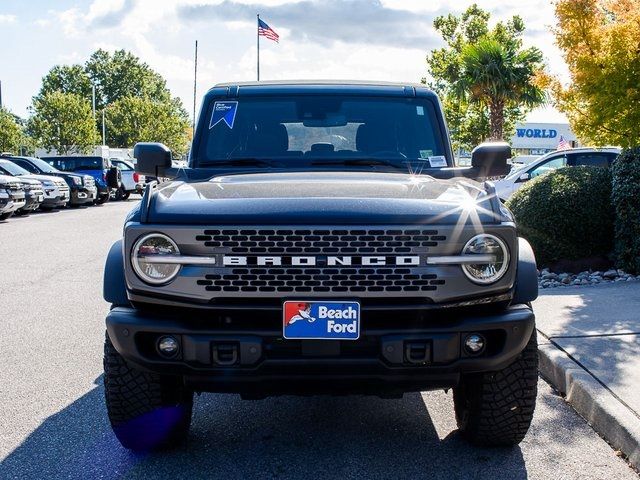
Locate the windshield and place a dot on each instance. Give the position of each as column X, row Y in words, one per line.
column 11, row 168
column 72, row 164
column 323, row 129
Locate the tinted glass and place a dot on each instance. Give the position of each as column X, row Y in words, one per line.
column 299, row 129
column 121, row 165
column 548, row 166
column 11, row 168
column 592, row 159
column 72, row 164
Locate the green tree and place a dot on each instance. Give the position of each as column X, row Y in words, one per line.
column 121, row 74
column 67, row 79
column 134, row 119
column 486, row 79
column 11, row 132
column 601, row 45
column 64, row 122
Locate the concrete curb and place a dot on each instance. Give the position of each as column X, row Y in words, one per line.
column 605, row 413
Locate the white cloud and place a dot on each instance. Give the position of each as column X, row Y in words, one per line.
column 351, row 39
column 6, row 19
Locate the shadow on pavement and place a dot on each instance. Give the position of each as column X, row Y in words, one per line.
column 284, row 437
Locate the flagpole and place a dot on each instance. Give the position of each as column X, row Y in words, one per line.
column 258, row 37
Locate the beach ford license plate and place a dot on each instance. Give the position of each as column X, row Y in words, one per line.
column 321, row 320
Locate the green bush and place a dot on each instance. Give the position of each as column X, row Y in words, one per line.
column 626, row 201
column 566, row 214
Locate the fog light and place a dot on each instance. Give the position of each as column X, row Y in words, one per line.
column 474, row 343
column 168, row 346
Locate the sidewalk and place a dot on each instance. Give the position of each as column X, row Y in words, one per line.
column 590, row 351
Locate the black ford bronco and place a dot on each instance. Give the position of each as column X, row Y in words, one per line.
column 321, row 241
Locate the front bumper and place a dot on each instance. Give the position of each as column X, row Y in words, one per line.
column 33, row 199
column 83, row 195
column 222, row 353
column 11, row 202
column 56, row 196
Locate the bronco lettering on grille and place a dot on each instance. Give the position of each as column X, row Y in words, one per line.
column 331, row 261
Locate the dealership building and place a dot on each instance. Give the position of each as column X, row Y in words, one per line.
column 540, row 138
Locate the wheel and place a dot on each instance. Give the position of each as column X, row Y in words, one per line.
column 147, row 411
column 22, row 213
column 119, row 195
column 126, row 195
column 4, row 216
column 496, row 409
column 102, row 199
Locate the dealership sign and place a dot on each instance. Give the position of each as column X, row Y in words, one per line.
column 536, row 133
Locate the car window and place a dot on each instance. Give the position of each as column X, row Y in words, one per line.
column 11, row 168
column 24, row 164
column 297, row 129
column 548, row 166
column 591, row 159
column 121, row 165
column 72, row 164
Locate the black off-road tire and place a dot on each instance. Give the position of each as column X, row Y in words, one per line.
column 147, row 411
column 496, row 409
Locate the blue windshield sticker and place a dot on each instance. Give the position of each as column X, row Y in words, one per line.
column 223, row 112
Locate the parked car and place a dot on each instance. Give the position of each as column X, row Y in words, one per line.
column 55, row 190
column 598, row 157
column 320, row 269
column 82, row 188
column 106, row 177
column 12, row 196
column 132, row 181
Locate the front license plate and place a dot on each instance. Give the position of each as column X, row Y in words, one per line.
column 321, row 320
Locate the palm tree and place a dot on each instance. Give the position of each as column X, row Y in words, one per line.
column 500, row 75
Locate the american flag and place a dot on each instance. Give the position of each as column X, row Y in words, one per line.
column 563, row 144
column 265, row 30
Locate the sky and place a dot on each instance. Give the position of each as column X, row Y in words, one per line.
column 319, row 39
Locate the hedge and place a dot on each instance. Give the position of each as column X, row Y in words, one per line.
column 566, row 214
column 626, row 201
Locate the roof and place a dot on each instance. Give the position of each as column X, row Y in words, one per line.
column 357, row 87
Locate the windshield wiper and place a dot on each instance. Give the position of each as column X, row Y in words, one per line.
column 359, row 161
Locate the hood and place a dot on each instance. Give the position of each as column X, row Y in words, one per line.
column 28, row 180
column 5, row 179
column 313, row 198
column 45, row 178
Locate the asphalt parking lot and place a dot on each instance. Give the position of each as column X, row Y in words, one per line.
column 53, row 422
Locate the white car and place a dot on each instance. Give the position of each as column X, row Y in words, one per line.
column 596, row 157
column 56, row 191
column 132, row 182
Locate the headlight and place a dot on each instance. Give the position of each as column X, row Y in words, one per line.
column 147, row 259
column 486, row 272
column 77, row 180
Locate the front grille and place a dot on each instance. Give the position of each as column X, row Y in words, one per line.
column 318, row 242
column 63, row 188
column 290, row 280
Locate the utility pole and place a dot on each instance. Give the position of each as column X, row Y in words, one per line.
column 103, row 128
column 258, row 37
column 0, row 93
column 93, row 100
column 195, row 86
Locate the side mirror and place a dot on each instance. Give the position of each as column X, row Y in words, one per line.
column 524, row 177
column 490, row 159
column 153, row 159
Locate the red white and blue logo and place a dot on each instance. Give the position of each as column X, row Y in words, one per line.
column 321, row 320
